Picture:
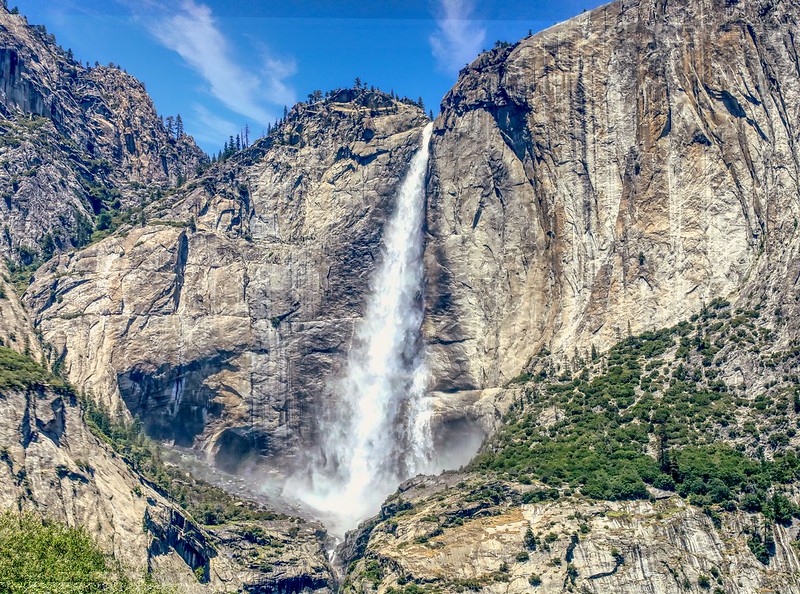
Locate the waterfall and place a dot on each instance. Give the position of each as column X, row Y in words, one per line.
column 376, row 431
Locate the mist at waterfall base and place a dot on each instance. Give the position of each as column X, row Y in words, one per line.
column 376, row 430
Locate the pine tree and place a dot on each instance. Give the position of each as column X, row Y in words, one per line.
column 421, row 104
column 170, row 126
column 179, row 126
column 285, row 113
column 238, row 143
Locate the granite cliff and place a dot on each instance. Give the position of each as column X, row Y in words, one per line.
column 611, row 256
column 223, row 319
column 607, row 176
column 64, row 461
column 76, row 142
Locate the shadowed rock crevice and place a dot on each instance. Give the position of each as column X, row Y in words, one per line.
column 240, row 447
column 173, row 402
column 174, row 533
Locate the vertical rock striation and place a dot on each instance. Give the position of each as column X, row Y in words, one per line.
column 606, row 176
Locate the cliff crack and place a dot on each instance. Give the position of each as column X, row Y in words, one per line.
column 180, row 268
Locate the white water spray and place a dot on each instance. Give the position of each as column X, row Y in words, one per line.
column 377, row 431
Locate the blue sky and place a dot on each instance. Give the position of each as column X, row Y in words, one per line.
column 224, row 63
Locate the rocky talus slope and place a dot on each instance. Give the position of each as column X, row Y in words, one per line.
column 75, row 142
column 223, row 320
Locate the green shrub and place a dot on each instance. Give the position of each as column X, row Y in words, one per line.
column 615, row 409
column 39, row 557
column 19, row 372
column 530, row 539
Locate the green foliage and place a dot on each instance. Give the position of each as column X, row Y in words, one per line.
column 108, row 221
column 36, row 556
column 655, row 391
column 530, row 539
column 572, row 573
column 200, row 574
column 762, row 548
column 206, row 503
column 39, row 557
column 18, row 372
column 373, row 571
column 22, row 274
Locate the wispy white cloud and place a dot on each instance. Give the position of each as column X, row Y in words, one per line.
column 211, row 127
column 191, row 30
column 458, row 38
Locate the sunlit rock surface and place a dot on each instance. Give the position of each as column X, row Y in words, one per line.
column 225, row 319
column 458, row 532
column 607, row 176
column 74, row 140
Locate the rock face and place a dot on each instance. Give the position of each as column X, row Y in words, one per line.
column 227, row 316
column 51, row 463
column 75, row 142
column 607, row 176
column 16, row 328
column 457, row 533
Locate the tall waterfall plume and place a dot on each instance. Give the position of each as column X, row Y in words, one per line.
column 376, row 431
